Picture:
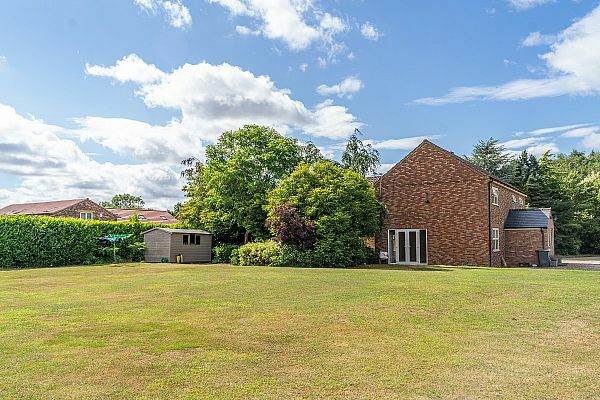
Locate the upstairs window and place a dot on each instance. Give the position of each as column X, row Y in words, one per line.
column 495, row 239
column 495, row 196
column 514, row 199
column 86, row 215
column 521, row 201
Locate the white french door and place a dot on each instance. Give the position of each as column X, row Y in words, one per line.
column 407, row 246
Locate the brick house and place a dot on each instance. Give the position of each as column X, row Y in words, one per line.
column 441, row 209
column 76, row 208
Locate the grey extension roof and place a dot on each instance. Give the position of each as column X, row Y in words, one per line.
column 169, row 230
column 526, row 218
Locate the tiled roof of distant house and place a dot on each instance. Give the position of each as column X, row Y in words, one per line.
column 40, row 208
column 153, row 216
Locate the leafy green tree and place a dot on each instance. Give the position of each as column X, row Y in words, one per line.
column 548, row 187
column 311, row 153
column 493, row 158
column 343, row 205
column 524, row 166
column 228, row 195
column 124, row 200
column 359, row 157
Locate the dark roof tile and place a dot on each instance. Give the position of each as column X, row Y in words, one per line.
column 526, row 218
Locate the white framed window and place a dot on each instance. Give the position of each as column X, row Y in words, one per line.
column 495, row 196
column 495, row 239
column 550, row 239
column 521, row 201
column 86, row 215
column 514, row 199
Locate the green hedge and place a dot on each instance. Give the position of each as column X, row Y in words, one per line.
column 28, row 241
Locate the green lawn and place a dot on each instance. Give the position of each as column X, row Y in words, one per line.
column 185, row 331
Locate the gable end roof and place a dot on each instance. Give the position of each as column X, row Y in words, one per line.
column 463, row 161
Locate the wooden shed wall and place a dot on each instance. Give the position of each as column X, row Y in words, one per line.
column 193, row 252
column 157, row 244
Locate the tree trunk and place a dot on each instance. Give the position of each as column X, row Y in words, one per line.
column 246, row 237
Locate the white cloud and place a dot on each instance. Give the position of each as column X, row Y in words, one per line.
column 369, row 31
column 592, row 142
column 3, row 60
column 244, row 30
column 573, row 69
column 520, row 143
column 175, row 12
column 384, row 167
column 303, row 67
column 539, row 149
column 297, row 23
column 554, row 129
column 129, row 69
column 538, row 39
column 178, row 14
column 589, row 135
column 407, row 143
column 215, row 98
column 52, row 167
column 581, row 132
column 346, row 88
column 528, row 4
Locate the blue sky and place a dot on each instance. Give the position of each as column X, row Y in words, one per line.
column 103, row 97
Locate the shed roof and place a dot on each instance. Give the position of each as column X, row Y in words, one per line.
column 170, row 231
column 526, row 218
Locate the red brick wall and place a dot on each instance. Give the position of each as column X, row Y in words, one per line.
column 100, row 213
column 499, row 214
column 456, row 216
column 521, row 245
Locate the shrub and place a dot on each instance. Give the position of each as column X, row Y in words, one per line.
column 222, row 253
column 260, row 253
column 290, row 228
column 344, row 207
column 235, row 256
column 29, row 241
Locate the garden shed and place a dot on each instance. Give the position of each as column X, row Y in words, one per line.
column 164, row 243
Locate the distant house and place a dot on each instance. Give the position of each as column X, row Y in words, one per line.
column 76, row 208
column 441, row 209
column 153, row 216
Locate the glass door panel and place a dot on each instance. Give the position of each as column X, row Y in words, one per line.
column 392, row 247
column 412, row 246
column 401, row 246
column 423, row 246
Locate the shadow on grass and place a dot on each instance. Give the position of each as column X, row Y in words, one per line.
column 392, row 267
